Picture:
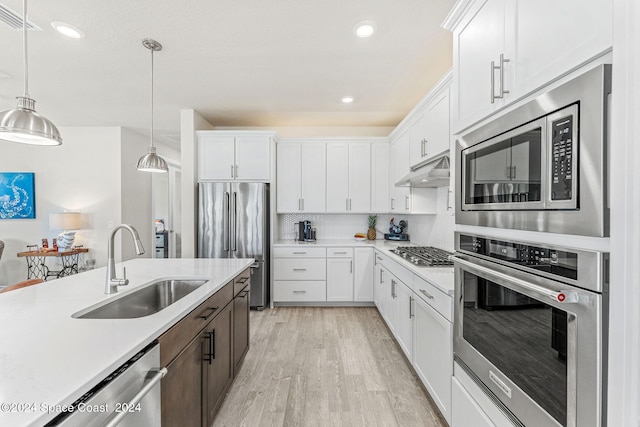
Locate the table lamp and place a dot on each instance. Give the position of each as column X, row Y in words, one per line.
column 66, row 221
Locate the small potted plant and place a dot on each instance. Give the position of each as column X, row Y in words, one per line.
column 371, row 234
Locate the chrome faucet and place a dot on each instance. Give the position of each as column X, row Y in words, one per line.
column 112, row 283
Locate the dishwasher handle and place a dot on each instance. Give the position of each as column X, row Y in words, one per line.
column 160, row 373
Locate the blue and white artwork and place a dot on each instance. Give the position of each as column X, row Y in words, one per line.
column 17, row 195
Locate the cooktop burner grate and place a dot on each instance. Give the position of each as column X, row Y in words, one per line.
column 424, row 256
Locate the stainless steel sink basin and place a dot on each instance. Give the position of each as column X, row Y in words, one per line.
column 145, row 301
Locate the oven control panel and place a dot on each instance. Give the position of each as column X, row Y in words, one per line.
column 552, row 261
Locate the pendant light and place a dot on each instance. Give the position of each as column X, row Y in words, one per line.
column 23, row 124
column 151, row 162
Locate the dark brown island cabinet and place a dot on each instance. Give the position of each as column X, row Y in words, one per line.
column 203, row 353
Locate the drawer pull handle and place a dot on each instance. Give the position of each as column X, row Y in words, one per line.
column 427, row 294
column 340, row 253
column 243, row 294
column 299, row 292
column 243, row 280
column 213, row 310
column 299, row 269
column 299, row 253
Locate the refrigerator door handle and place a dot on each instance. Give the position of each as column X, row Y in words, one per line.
column 227, row 200
column 235, row 221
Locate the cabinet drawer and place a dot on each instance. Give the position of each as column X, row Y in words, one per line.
column 242, row 280
column 433, row 296
column 299, row 252
column 396, row 269
column 339, row 252
column 300, row 269
column 177, row 338
column 299, row 291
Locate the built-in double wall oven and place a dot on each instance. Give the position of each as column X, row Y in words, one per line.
column 531, row 328
column 542, row 166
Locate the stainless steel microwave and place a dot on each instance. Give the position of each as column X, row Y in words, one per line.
column 542, row 166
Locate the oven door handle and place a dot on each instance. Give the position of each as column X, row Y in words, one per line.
column 563, row 297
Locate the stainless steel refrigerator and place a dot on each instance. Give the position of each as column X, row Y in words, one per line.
column 233, row 222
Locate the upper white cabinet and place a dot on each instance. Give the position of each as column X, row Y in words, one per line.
column 229, row 156
column 301, row 177
column 430, row 130
column 380, row 179
column 349, row 177
column 506, row 49
column 399, row 158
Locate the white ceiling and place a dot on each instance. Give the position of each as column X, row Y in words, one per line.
column 238, row 63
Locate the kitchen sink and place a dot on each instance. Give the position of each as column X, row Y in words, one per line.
column 143, row 302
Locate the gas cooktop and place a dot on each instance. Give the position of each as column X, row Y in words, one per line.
column 424, row 256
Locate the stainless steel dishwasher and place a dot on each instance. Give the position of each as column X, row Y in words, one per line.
column 129, row 397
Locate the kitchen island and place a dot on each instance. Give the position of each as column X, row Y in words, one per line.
column 49, row 359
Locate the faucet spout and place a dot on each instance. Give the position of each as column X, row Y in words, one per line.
column 112, row 281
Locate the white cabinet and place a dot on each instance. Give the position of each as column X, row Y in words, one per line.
column 432, row 357
column 399, row 158
column 349, row 177
column 299, row 274
column 467, row 412
column 363, row 274
column 389, row 301
column 301, row 177
column 404, row 328
column 506, row 49
column 430, row 132
column 340, row 274
column 224, row 156
column 378, row 283
column 380, row 178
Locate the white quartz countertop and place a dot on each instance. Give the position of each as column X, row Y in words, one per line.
column 440, row 277
column 48, row 358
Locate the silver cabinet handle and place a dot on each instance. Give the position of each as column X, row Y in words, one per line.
column 299, row 292
column 393, row 288
column 302, row 203
column 351, row 267
column 299, row 269
column 500, row 68
column 426, row 294
column 299, row 204
column 381, row 276
column 299, row 253
column 340, row 253
column 227, row 199
column 493, row 83
column 231, row 171
column 236, row 174
column 138, row 397
column 350, row 204
column 346, row 208
column 502, row 62
column 406, row 203
column 392, row 200
column 411, row 307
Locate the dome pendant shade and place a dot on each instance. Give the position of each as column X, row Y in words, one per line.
column 22, row 124
column 151, row 162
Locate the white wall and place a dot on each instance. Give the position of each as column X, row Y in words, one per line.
column 82, row 175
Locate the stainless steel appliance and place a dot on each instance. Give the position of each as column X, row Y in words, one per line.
column 129, row 397
column 543, row 362
column 305, row 232
column 233, row 222
column 424, row 256
column 542, row 166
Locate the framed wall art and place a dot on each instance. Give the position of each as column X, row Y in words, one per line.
column 17, row 195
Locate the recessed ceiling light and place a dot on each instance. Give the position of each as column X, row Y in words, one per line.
column 364, row 29
column 347, row 99
column 67, row 30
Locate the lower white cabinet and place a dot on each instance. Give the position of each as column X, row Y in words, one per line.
column 363, row 274
column 405, row 322
column 299, row 290
column 340, row 279
column 432, row 353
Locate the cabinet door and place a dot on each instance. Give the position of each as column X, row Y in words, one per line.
column 337, row 177
column 467, row 412
column 181, row 388
column 553, row 37
column 438, row 132
column 216, row 157
column 363, row 277
column 288, row 186
column 480, row 40
column 313, row 172
column 360, row 177
column 404, row 326
column 380, row 179
column 253, row 158
column 418, row 135
column 399, row 157
column 433, row 354
column 390, row 301
column 218, row 361
column 339, row 279
column 240, row 328
column 378, row 286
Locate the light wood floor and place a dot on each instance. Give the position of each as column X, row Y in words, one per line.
column 329, row 366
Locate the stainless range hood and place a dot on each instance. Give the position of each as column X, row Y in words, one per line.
column 433, row 172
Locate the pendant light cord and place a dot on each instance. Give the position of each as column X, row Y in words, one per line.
column 24, row 46
column 152, row 97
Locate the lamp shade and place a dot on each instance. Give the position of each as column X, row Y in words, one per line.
column 151, row 162
column 65, row 221
column 22, row 124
